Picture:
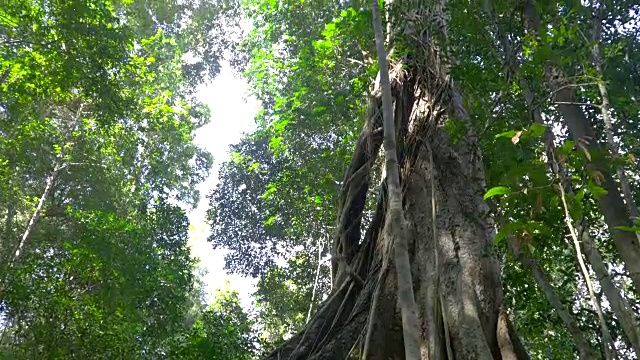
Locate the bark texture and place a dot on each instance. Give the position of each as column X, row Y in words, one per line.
column 617, row 302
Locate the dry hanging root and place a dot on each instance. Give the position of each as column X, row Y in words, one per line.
column 610, row 351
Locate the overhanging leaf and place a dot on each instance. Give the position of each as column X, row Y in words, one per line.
column 507, row 134
column 628, row 228
column 537, row 130
column 498, row 190
column 596, row 190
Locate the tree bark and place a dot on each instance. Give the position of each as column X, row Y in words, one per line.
column 470, row 276
column 315, row 281
column 618, row 303
column 609, row 347
column 354, row 193
column 18, row 249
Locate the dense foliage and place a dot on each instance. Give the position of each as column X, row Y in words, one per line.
column 97, row 120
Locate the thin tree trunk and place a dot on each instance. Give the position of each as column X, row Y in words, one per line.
column 585, row 352
column 606, row 334
column 611, row 204
column 618, row 303
column 620, row 307
column 395, row 218
column 17, row 252
column 36, row 214
column 606, row 115
column 584, row 349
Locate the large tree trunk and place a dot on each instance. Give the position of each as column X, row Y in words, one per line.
column 469, row 273
column 459, row 301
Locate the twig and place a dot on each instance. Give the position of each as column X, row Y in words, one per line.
column 315, row 282
column 576, row 103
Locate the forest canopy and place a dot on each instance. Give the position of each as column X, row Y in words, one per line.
column 426, row 180
column 97, row 121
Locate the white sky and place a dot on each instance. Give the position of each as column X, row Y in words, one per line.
column 232, row 114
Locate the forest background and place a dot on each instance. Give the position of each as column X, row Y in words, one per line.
column 106, row 145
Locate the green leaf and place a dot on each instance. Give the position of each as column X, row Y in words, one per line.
column 254, row 166
column 507, row 134
column 567, row 147
column 596, row 190
column 537, row 130
column 629, row 228
column 501, row 235
column 271, row 220
column 498, row 190
column 281, row 124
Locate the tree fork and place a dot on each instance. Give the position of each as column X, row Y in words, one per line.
column 354, row 193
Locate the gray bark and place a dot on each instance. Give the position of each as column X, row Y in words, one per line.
column 618, row 304
column 18, row 249
column 469, row 279
column 609, row 347
column 469, row 282
column 469, row 271
column 584, row 349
